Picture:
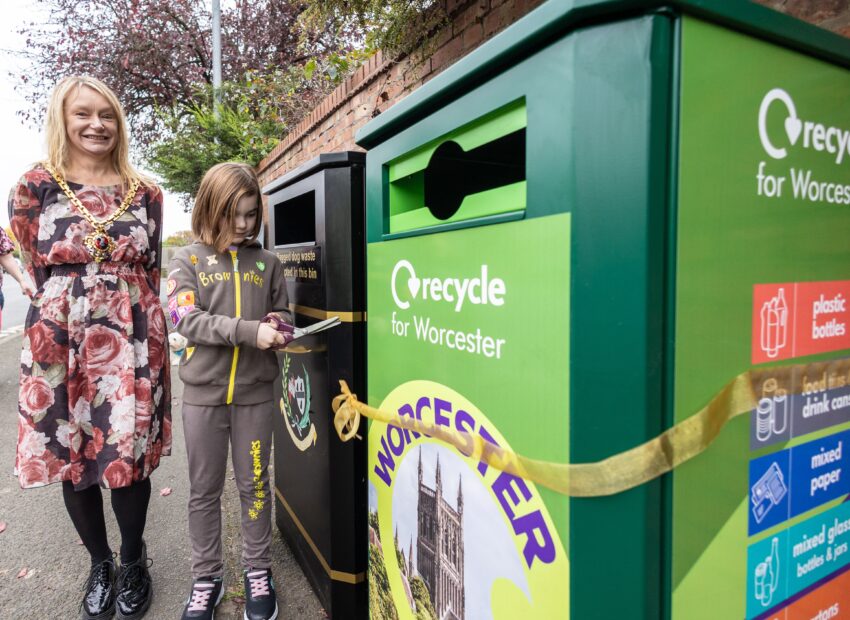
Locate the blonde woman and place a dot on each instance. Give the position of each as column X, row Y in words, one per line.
column 94, row 403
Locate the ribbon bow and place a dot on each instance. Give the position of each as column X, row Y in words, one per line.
column 346, row 413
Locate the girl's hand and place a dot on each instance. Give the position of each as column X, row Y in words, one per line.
column 268, row 337
column 27, row 288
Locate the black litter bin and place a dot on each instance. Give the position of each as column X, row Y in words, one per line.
column 316, row 228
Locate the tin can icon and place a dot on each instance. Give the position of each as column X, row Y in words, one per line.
column 772, row 410
column 764, row 419
column 780, row 412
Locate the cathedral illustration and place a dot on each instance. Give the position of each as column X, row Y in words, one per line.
column 439, row 547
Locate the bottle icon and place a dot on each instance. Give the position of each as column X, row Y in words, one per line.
column 774, row 324
column 767, row 575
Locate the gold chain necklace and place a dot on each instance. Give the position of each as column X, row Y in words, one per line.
column 98, row 242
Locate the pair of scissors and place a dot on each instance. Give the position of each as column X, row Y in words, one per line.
column 281, row 327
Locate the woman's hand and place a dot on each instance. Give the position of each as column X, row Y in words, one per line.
column 268, row 337
column 27, row 288
column 8, row 262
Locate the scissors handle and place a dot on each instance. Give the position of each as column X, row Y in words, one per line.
column 278, row 323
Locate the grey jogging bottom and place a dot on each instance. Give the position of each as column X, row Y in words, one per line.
column 208, row 430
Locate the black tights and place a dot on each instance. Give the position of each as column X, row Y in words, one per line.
column 130, row 505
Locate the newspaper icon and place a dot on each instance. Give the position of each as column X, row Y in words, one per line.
column 767, row 492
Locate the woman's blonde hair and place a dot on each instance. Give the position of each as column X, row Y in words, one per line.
column 221, row 189
column 58, row 151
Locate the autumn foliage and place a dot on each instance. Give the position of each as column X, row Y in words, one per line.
column 156, row 53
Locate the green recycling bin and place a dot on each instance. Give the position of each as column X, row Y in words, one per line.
column 316, row 229
column 576, row 237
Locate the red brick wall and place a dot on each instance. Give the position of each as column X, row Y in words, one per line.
column 828, row 14
column 378, row 84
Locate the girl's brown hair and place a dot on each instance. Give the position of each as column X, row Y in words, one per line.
column 222, row 187
column 58, row 152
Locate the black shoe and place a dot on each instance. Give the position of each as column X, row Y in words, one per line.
column 260, row 597
column 99, row 600
column 206, row 595
column 134, row 588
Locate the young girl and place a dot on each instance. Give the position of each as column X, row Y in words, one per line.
column 219, row 289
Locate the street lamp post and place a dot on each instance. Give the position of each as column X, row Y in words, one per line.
column 216, row 45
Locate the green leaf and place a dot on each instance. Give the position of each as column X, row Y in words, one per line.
column 310, row 68
column 55, row 375
column 134, row 293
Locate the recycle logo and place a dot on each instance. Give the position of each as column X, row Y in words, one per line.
column 800, row 133
column 481, row 290
column 793, row 125
column 295, row 406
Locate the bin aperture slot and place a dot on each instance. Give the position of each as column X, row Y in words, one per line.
column 475, row 171
column 295, row 220
column 453, row 174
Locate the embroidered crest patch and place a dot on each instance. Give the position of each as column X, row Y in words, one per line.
column 186, row 298
column 170, row 286
column 183, row 311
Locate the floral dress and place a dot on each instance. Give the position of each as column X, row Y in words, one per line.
column 95, row 394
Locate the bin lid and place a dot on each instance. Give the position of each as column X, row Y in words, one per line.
column 317, row 164
column 555, row 18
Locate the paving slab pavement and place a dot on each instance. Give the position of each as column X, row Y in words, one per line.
column 43, row 568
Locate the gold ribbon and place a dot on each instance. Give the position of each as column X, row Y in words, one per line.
column 617, row 473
